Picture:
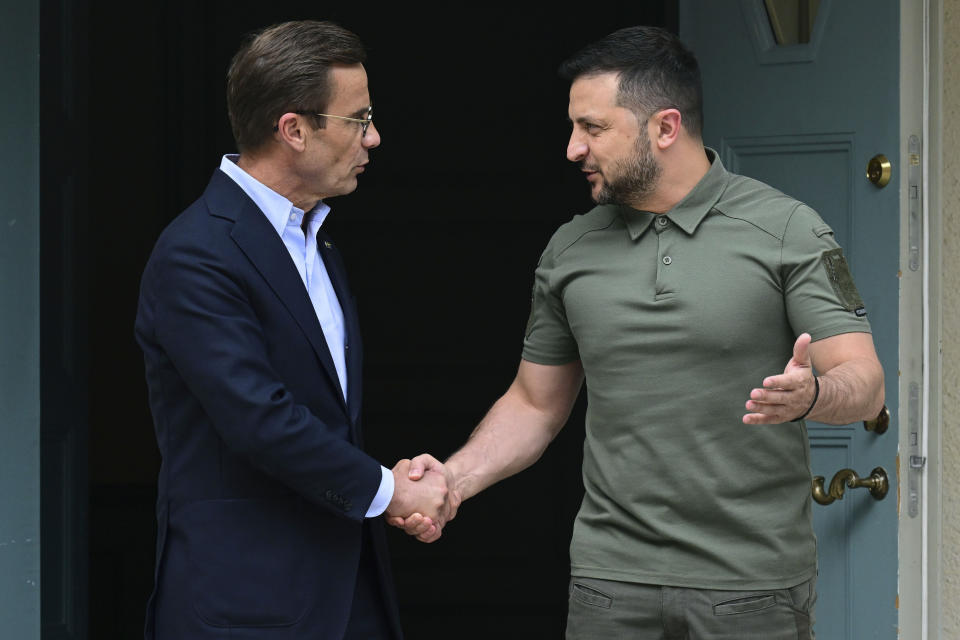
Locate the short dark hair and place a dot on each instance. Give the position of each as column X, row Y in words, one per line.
column 285, row 68
column 657, row 71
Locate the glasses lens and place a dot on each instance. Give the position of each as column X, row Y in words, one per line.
column 366, row 122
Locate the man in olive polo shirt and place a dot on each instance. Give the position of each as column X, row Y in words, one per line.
column 683, row 289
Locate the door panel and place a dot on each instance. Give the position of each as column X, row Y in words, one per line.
column 794, row 162
column 806, row 118
column 832, row 451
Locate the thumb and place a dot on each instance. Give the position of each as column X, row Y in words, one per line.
column 420, row 464
column 801, row 355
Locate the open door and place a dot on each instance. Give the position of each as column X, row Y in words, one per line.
column 803, row 95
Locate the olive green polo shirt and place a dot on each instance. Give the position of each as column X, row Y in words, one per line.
column 675, row 318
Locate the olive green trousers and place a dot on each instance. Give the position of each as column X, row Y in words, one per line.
column 602, row 609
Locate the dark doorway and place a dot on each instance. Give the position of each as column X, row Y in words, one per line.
column 440, row 239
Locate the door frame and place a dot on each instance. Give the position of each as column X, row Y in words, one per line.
column 20, row 234
column 921, row 63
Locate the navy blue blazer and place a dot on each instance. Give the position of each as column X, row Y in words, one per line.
column 264, row 483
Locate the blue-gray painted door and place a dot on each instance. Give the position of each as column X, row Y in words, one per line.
column 806, row 118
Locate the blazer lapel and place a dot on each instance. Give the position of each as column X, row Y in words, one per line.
column 264, row 248
column 351, row 323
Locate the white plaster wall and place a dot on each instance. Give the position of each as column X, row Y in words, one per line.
column 951, row 325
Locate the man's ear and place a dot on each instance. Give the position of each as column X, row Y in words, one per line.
column 666, row 126
column 292, row 131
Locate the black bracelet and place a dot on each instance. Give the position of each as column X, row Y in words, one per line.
column 816, row 394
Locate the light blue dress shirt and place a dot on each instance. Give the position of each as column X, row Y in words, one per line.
column 288, row 222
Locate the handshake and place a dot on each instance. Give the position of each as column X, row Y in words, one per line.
column 424, row 497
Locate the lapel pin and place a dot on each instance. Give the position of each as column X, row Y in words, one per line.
column 327, row 245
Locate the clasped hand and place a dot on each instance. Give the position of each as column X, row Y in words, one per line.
column 423, row 497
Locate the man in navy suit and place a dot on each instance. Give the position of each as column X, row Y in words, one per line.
column 267, row 504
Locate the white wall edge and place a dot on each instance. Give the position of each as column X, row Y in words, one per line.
column 919, row 538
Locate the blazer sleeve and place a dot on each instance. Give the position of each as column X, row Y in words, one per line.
column 201, row 319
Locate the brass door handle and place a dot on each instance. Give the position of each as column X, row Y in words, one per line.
column 880, row 424
column 877, row 483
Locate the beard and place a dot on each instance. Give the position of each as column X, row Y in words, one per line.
column 633, row 178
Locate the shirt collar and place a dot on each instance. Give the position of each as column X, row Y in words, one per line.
column 692, row 209
column 280, row 212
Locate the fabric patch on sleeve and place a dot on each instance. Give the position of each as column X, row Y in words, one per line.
column 838, row 273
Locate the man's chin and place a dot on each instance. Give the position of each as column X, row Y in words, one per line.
column 598, row 193
column 602, row 196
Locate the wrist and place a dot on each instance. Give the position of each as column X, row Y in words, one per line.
column 399, row 496
column 813, row 403
column 457, row 479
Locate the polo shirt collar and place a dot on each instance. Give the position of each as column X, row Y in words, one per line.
column 692, row 209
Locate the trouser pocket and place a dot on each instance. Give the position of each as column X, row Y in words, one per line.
column 589, row 595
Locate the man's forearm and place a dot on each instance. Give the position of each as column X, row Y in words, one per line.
column 849, row 392
column 512, row 436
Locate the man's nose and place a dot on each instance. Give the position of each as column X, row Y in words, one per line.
column 372, row 138
column 576, row 149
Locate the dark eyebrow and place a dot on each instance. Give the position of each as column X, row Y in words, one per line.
column 584, row 120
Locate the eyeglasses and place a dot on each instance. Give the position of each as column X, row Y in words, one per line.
column 364, row 122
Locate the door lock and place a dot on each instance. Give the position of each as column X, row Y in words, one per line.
column 879, row 170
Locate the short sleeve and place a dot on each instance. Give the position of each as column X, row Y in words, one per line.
column 547, row 338
column 820, row 294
